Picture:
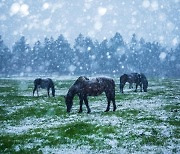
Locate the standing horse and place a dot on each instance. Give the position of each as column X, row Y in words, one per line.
column 138, row 79
column 44, row 84
column 84, row 87
column 131, row 78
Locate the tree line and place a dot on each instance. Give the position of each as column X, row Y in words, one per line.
column 89, row 57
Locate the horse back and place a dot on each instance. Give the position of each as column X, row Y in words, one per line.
column 43, row 83
column 97, row 86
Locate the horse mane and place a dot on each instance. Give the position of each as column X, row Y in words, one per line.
column 142, row 76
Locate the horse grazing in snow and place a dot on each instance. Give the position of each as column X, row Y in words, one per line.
column 44, row 84
column 84, row 87
column 138, row 79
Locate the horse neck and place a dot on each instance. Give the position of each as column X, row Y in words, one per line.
column 72, row 92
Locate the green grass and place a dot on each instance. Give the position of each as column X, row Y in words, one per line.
column 31, row 124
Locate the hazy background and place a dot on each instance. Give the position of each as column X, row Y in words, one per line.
column 151, row 19
column 76, row 37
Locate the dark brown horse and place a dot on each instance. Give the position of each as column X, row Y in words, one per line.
column 131, row 78
column 138, row 79
column 84, row 87
column 44, row 84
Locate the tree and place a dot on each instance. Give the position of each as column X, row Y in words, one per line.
column 116, row 53
column 37, row 57
column 133, row 55
column 5, row 56
column 83, row 48
column 104, row 56
column 176, row 61
column 63, row 56
column 20, row 52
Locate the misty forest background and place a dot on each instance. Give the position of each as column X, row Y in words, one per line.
column 89, row 57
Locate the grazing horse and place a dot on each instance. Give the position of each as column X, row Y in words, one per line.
column 44, row 84
column 131, row 78
column 84, row 87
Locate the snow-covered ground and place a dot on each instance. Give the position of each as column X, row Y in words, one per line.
column 144, row 123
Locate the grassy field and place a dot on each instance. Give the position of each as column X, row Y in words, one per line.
column 143, row 123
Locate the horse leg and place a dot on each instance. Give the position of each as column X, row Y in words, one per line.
column 136, row 87
column 109, row 101
column 80, row 103
column 53, row 91
column 108, row 106
column 140, row 87
column 121, row 88
column 87, row 104
column 35, row 88
column 48, row 91
column 114, row 103
column 37, row 92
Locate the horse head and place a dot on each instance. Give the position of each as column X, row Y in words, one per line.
column 144, row 82
column 69, row 102
column 123, row 80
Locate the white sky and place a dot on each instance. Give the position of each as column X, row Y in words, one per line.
column 151, row 19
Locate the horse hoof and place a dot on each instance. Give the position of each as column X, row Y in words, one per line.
column 106, row 110
column 114, row 109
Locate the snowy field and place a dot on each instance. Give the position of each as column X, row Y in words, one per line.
column 143, row 123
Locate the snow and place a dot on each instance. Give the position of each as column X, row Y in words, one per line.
column 150, row 19
column 175, row 41
column 162, row 56
column 72, row 68
column 46, row 6
column 3, row 17
column 71, row 149
column 102, row 11
column 152, row 108
column 23, row 9
column 161, row 39
column 146, row 3
column 98, row 25
column 162, row 17
column 106, row 19
column 154, row 5
column 89, row 48
column 15, row 8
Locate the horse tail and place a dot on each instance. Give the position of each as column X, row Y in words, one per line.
column 113, row 88
column 53, row 91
